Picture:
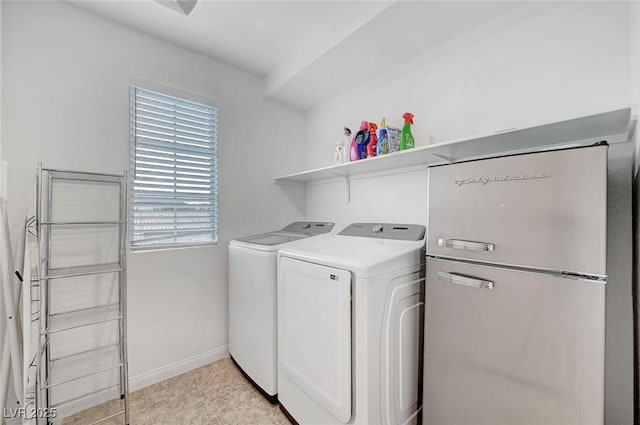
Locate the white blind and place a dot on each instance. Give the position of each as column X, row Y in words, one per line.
column 173, row 171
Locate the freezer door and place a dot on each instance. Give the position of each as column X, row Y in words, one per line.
column 511, row 347
column 314, row 333
column 544, row 210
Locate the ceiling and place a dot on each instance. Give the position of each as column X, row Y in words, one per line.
column 306, row 51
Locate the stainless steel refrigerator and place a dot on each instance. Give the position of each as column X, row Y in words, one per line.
column 515, row 290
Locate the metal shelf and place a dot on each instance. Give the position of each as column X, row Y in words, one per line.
column 81, row 310
column 83, row 176
column 81, row 325
column 82, row 223
column 84, row 396
column 84, row 375
column 82, row 317
column 83, row 352
column 67, row 272
column 86, row 312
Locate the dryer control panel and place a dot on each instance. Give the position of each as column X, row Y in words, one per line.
column 402, row 232
column 309, row 227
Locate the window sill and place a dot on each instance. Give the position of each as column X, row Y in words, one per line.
column 171, row 247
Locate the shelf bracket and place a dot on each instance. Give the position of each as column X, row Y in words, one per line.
column 449, row 159
column 347, row 182
column 347, row 185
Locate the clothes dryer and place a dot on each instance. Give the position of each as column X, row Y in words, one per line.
column 350, row 320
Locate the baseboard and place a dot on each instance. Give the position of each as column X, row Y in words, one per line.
column 177, row 368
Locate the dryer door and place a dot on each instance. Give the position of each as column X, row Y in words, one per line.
column 314, row 315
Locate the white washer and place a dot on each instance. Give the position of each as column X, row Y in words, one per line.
column 350, row 319
column 252, row 301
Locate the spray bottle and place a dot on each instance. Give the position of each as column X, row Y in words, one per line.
column 373, row 140
column 383, row 139
column 406, row 138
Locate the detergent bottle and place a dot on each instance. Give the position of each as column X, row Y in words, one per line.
column 373, row 140
column 362, row 139
column 406, row 138
column 353, row 152
column 383, row 139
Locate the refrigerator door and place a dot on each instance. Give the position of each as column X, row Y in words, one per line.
column 544, row 210
column 512, row 347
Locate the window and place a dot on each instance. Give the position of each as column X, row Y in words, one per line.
column 173, row 171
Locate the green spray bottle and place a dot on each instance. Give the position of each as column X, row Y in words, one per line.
column 406, row 138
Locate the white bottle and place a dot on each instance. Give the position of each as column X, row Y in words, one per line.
column 346, row 147
column 339, row 158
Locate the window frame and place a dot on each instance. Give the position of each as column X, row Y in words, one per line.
column 191, row 97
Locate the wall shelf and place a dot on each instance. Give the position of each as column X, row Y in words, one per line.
column 613, row 127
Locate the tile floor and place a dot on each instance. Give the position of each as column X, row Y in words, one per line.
column 215, row 394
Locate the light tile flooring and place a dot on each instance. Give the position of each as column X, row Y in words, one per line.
column 215, row 394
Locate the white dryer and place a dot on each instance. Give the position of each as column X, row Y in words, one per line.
column 252, row 301
column 350, row 320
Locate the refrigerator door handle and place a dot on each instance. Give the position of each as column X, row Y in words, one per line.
column 459, row 279
column 468, row 245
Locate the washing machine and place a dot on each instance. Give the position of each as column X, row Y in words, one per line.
column 252, row 301
column 350, row 320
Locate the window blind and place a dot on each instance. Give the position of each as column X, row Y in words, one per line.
column 173, row 188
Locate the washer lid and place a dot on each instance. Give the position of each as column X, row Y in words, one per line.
column 297, row 230
column 273, row 238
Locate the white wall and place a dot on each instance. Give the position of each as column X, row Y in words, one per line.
column 65, row 79
column 539, row 63
column 383, row 197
